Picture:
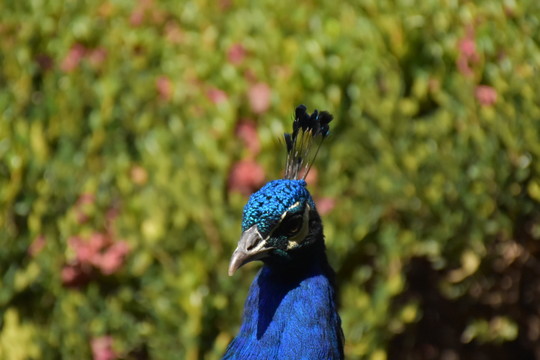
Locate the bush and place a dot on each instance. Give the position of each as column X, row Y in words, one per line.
column 130, row 134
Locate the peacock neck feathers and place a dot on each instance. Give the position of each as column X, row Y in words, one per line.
column 290, row 313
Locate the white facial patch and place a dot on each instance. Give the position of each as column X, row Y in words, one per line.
column 298, row 238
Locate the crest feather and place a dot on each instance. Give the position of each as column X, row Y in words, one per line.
column 303, row 144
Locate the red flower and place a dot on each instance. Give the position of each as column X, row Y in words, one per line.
column 224, row 4
column 247, row 131
column 325, row 205
column 467, row 53
column 113, row 258
column 245, row 177
column 102, row 348
column 37, row 245
column 86, row 198
column 78, row 52
column 216, row 95
column 173, row 33
column 136, row 18
column 73, row 58
column 87, row 252
column 97, row 56
column 486, row 95
column 259, row 97
column 467, row 47
column 99, row 252
column 164, row 87
column 236, row 54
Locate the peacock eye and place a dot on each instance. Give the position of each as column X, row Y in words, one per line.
column 291, row 225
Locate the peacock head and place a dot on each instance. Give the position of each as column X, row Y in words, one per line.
column 278, row 219
column 276, row 223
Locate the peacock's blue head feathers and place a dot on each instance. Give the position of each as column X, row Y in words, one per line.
column 276, row 218
column 277, row 198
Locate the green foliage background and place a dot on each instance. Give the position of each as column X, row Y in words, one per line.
column 435, row 232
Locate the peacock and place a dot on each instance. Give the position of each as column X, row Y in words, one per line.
column 290, row 311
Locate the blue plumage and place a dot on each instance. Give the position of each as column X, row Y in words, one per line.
column 290, row 312
column 289, row 318
column 266, row 206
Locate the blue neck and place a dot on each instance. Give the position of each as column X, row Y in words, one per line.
column 291, row 314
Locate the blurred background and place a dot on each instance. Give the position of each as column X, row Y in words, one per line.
column 133, row 132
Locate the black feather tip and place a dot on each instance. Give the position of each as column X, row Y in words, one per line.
column 309, row 131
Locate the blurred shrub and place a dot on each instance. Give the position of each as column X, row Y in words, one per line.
column 131, row 132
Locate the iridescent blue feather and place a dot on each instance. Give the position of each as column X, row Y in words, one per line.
column 292, row 318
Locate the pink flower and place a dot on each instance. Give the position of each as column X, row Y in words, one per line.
column 467, row 47
column 173, row 33
column 245, row 177
column 113, row 258
column 73, row 58
column 136, row 18
column 37, row 245
column 247, row 131
column 164, row 87
column 97, row 56
column 236, row 54
column 486, row 95
column 86, row 198
column 216, row 95
column 102, row 348
column 325, row 205
column 69, row 273
column 87, row 252
column 100, row 252
column 75, row 275
column 259, row 97
column 467, row 53
column 224, row 4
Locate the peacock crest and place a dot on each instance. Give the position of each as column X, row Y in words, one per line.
column 303, row 144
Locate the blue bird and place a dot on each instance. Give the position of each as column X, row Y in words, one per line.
column 290, row 311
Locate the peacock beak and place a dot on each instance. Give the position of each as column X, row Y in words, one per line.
column 251, row 247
